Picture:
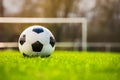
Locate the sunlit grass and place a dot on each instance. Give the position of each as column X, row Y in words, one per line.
column 62, row 65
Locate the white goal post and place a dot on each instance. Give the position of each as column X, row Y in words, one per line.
column 83, row 21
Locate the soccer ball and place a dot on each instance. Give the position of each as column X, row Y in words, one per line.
column 36, row 41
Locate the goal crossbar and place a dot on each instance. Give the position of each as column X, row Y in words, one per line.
column 41, row 20
column 51, row 20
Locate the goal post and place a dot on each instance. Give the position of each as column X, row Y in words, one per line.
column 83, row 21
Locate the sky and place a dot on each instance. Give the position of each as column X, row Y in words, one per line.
column 15, row 6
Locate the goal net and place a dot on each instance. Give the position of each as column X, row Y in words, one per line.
column 83, row 21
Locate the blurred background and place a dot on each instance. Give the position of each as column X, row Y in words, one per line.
column 103, row 18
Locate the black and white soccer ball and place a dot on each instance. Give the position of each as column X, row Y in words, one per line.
column 36, row 41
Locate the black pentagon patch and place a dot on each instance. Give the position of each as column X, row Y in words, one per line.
column 37, row 46
column 22, row 40
column 52, row 41
column 38, row 30
column 25, row 55
column 45, row 56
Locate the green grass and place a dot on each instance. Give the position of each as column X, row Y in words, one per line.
column 62, row 65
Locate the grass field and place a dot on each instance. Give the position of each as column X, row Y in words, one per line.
column 62, row 65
